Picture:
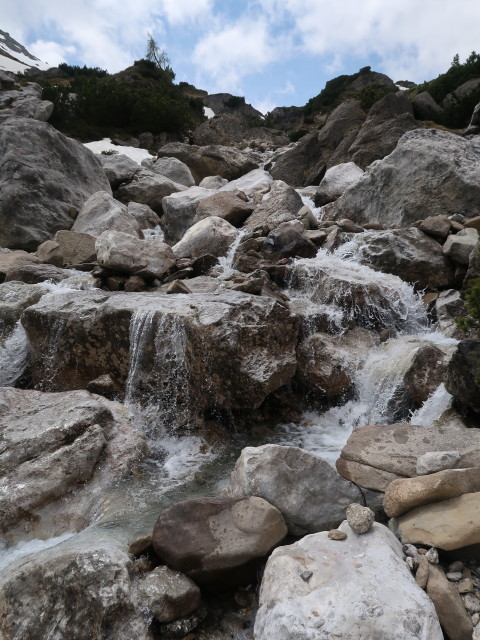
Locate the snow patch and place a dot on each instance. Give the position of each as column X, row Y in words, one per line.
column 107, row 145
column 209, row 113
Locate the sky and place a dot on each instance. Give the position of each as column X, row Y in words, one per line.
column 273, row 52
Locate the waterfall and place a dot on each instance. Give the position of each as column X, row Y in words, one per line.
column 226, row 262
column 13, row 356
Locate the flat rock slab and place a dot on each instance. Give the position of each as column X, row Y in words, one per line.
column 310, row 495
column 405, row 494
column 449, row 524
column 375, row 455
column 360, row 589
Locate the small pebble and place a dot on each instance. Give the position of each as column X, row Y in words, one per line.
column 466, row 586
column 472, row 603
column 454, row 576
column 422, row 552
column 336, row 534
column 410, row 550
column 432, row 556
column 455, row 566
column 306, row 575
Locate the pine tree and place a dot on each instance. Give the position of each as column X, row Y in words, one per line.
column 159, row 58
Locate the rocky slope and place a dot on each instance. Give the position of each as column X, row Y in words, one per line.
column 160, row 321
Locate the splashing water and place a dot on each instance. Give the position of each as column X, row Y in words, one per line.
column 13, row 356
column 433, row 408
column 9, row 555
column 226, row 262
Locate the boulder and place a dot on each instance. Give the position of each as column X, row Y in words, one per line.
column 174, row 169
column 179, row 211
column 101, row 212
column 213, row 182
column 118, row 168
column 407, row 253
column 436, row 226
column 257, row 180
column 59, row 453
column 168, row 594
column 463, row 380
column 360, row 588
column 14, row 298
column 375, row 455
column 213, row 235
column 91, row 570
column 405, row 494
column 448, row 306
column 144, row 215
column 336, row 181
column 148, row 188
column 125, row 253
column 216, row 540
column 76, row 248
column 425, row 107
column 26, row 101
column 306, row 163
column 281, row 204
column 288, row 241
column 430, row 172
column 226, row 205
column 448, row 604
column 45, row 178
column 449, row 524
column 36, row 273
column 12, row 260
column 458, row 247
column 310, row 495
column 427, row 371
column 231, row 349
column 387, row 121
column 211, row 160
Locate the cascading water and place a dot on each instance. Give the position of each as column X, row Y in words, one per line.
column 13, row 356
column 226, row 262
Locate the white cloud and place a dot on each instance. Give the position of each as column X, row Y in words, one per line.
column 50, row 52
column 181, row 11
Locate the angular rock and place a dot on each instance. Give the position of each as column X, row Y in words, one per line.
column 430, row 172
column 213, row 235
column 14, row 298
column 336, row 181
column 216, row 539
column 231, row 349
column 463, row 380
column 425, row 107
column 288, row 241
column 53, row 443
column 375, row 455
column 36, row 273
column 211, row 160
column 256, row 181
column 449, row 306
column 75, row 247
column 146, row 217
column 427, row 371
column 90, row 570
column 12, row 260
column 45, row 178
column 448, row 605
column 224, row 205
column 147, row 187
column 213, row 182
column 118, row 168
column 281, row 204
column 387, row 121
column 405, row 494
column 49, row 252
column 436, row 226
column 302, row 486
column 458, row 247
column 174, row 169
column 179, row 212
column 407, row 253
column 439, row 461
column 123, row 252
column 375, row 597
column 449, row 524
column 168, row 594
column 101, row 212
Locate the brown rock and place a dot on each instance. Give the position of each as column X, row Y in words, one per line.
column 75, row 247
column 436, row 226
column 226, row 205
column 50, row 252
column 421, row 577
column 473, row 223
column 10, row 260
column 448, row 605
column 177, row 286
column 405, row 494
column 427, row 371
column 336, row 534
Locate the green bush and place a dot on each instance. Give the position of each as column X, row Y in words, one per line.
column 234, row 102
column 296, row 135
column 371, row 94
column 472, row 298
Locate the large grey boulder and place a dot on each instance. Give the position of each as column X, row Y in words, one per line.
column 123, row 252
column 59, row 453
column 45, row 178
column 430, row 172
column 118, row 168
column 75, row 247
column 148, row 188
column 281, row 204
column 14, row 298
column 310, row 495
column 250, row 183
column 425, row 107
column 211, row 160
column 336, row 181
column 179, row 211
column 407, row 253
column 387, row 121
column 217, row 539
column 168, row 594
column 458, row 247
column 226, row 205
column 174, row 169
column 359, row 588
column 12, row 260
column 26, row 101
column 231, row 349
column 213, row 235
column 375, row 455
column 307, row 162
column 101, row 212
column 80, row 589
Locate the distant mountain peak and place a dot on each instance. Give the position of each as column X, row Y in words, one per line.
column 15, row 57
